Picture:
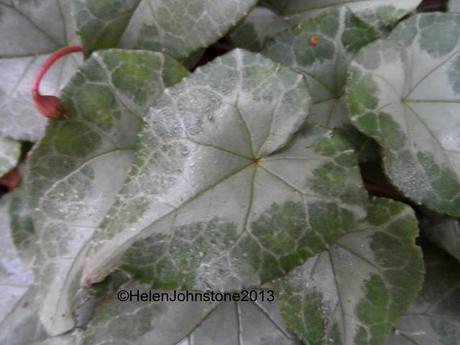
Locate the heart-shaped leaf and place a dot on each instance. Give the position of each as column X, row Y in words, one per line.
column 10, row 150
column 176, row 27
column 380, row 13
column 29, row 30
column 405, row 92
column 79, row 166
column 321, row 49
column 434, row 318
column 216, row 197
column 353, row 293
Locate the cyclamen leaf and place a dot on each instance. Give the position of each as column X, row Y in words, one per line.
column 404, row 92
column 29, row 30
column 10, row 151
column 434, row 318
column 217, row 199
column 19, row 323
column 185, row 323
column 380, row 13
column 80, row 165
column 446, row 234
column 339, row 35
column 176, row 27
column 355, row 292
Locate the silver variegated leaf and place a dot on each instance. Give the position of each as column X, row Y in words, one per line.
column 434, row 317
column 81, row 163
column 405, row 92
column 184, row 323
column 10, row 151
column 176, row 27
column 380, row 13
column 29, row 31
column 19, row 322
column 219, row 197
column 355, row 292
column 321, row 49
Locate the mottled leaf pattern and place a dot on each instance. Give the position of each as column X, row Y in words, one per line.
column 404, row 92
column 10, row 150
column 434, row 318
column 81, row 163
column 22, row 227
column 445, row 233
column 324, row 62
column 176, row 27
column 185, row 323
column 353, row 293
column 19, row 323
column 215, row 198
column 29, row 31
column 258, row 28
column 380, row 13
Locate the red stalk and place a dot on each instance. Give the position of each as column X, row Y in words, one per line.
column 50, row 106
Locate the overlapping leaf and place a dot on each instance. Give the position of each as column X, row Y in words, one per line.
column 185, row 323
column 215, row 198
column 380, row 13
column 81, row 163
column 434, row 318
column 19, row 323
column 10, row 150
column 29, row 30
column 405, row 92
column 445, row 233
column 336, row 35
column 176, row 27
column 353, row 293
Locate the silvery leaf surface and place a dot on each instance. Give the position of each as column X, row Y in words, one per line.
column 176, row 27
column 356, row 291
column 224, row 191
column 404, row 92
column 29, row 31
column 79, row 166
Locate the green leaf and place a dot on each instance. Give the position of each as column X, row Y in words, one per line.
column 404, row 92
column 380, row 13
column 185, row 323
column 217, row 198
column 325, row 65
column 445, row 233
column 19, row 323
column 79, row 166
column 29, row 31
column 10, row 151
column 258, row 28
column 434, row 318
column 22, row 228
column 355, row 292
column 176, row 27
